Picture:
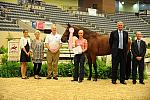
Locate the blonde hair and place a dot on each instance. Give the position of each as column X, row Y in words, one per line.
column 80, row 31
column 53, row 25
column 37, row 32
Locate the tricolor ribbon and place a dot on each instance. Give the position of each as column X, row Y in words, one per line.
column 71, row 30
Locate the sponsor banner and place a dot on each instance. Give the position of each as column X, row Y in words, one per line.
column 40, row 25
column 47, row 25
column 33, row 24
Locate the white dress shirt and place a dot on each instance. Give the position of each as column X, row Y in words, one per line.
column 53, row 40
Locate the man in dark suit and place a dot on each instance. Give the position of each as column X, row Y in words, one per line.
column 119, row 45
column 138, row 49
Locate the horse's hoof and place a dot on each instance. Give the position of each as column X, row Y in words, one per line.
column 94, row 79
column 89, row 79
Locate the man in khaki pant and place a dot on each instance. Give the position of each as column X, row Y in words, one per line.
column 53, row 44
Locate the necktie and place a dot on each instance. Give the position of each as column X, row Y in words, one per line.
column 121, row 40
column 139, row 45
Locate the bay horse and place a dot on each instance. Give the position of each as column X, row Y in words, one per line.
column 98, row 45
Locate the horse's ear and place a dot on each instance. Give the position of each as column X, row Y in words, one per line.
column 69, row 25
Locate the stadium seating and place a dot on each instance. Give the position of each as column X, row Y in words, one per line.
column 132, row 22
column 146, row 17
column 101, row 24
column 6, row 25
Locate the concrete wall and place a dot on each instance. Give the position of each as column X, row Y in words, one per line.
column 59, row 3
column 128, row 7
column 108, row 6
column 102, row 5
column 10, row 1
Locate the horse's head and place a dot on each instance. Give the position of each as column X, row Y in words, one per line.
column 65, row 36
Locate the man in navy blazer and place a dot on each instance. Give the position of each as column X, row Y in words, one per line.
column 138, row 49
column 118, row 42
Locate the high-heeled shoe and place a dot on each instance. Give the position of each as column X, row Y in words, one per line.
column 24, row 78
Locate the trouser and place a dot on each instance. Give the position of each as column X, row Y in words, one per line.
column 37, row 68
column 119, row 59
column 52, row 59
column 140, row 65
column 79, row 60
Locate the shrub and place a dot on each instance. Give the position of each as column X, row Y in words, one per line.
column 3, row 50
column 43, row 71
column 65, row 70
column 103, row 70
column 147, row 55
column 148, row 46
column 10, row 69
column 4, row 58
column 30, row 71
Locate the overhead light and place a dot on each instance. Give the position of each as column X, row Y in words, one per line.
column 122, row 2
column 143, row 5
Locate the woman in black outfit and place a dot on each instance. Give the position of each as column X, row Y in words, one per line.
column 25, row 53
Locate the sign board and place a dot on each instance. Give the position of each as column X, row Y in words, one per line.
column 13, row 51
column 92, row 12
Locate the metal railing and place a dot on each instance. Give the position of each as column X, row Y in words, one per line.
column 25, row 26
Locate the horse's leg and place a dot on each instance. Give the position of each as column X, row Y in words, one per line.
column 90, row 67
column 128, row 65
column 95, row 68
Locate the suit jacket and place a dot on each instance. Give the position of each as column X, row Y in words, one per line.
column 114, row 42
column 135, row 51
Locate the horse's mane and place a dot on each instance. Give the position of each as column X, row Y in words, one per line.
column 87, row 31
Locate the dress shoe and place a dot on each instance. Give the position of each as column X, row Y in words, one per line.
column 95, row 79
column 80, row 81
column 134, row 82
column 141, row 82
column 25, row 77
column 48, row 78
column 56, row 78
column 35, row 78
column 114, row 82
column 74, row 80
column 89, row 79
column 39, row 77
column 123, row 83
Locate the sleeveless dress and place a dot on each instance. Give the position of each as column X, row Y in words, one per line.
column 23, row 56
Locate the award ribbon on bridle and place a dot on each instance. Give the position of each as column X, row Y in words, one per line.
column 71, row 30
